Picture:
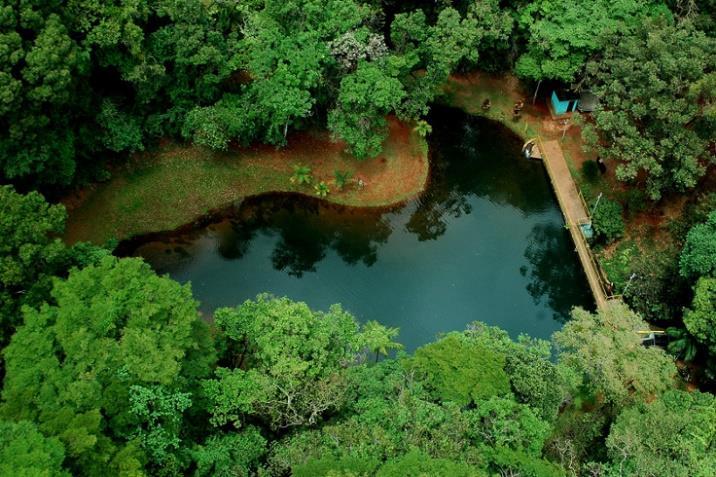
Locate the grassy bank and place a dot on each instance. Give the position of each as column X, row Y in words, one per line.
column 174, row 186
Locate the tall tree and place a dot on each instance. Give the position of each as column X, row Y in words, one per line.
column 24, row 451
column 606, row 350
column 379, row 339
column 365, row 97
column 31, row 254
column 698, row 258
column 457, row 370
column 672, row 436
column 292, row 363
column 656, row 114
column 104, row 368
column 562, row 36
column 700, row 318
column 40, row 67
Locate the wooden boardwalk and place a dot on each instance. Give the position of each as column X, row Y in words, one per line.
column 574, row 213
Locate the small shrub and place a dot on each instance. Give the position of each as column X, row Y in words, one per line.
column 698, row 258
column 618, row 267
column 607, row 221
column 342, row 178
column 301, row 175
column 423, row 128
column 322, row 189
column 590, row 171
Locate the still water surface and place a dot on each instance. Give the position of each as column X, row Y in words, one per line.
column 485, row 242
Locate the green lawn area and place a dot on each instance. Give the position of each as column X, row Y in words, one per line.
column 175, row 185
column 468, row 91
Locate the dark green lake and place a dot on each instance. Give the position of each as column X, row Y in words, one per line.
column 485, row 242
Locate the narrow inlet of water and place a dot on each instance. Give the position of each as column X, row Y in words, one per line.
column 486, row 241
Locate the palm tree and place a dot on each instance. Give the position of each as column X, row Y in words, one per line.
column 301, row 175
column 322, row 189
column 379, row 339
column 681, row 344
column 423, row 128
column 342, row 178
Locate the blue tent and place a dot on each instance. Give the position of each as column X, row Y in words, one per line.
column 563, row 103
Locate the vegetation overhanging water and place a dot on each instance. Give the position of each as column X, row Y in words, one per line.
column 485, row 242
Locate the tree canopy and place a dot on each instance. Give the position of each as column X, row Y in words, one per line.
column 562, row 36
column 656, row 114
column 108, row 369
column 111, row 369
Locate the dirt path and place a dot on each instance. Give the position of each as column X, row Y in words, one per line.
column 574, row 213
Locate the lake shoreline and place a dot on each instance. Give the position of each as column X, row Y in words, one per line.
column 189, row 186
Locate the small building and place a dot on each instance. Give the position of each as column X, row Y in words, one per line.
column 563, row 102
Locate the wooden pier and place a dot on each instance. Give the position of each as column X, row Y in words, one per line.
column 575, row 213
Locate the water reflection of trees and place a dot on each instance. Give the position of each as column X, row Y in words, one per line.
column 233, row 241
column 306, row 230
column 474, row 157
column 552, row 272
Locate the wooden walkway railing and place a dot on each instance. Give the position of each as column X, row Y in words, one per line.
column 575, row 213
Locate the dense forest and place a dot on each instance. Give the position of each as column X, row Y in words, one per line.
column 111, row 369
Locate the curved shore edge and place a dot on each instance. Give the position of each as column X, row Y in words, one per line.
column 179, row 186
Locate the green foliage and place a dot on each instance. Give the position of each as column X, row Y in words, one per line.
column 292, row 358
column 123, row 132
column 698, row 257
column 160, row 413
column 365, row 97
column 536, row 381
column 579, row 436
column 534, row 378
column 417, row 464
column 392, row 415
column 342, row 178
column 456, row 370
column 111, row 371
column 700, row 319
column 650, row 120
column 510, row 462
column 607, row 221
column 423, row 128
column 672, row 436
column 72, row 366
column 681, row 343
column 657, row 290
column 695, row 211
column 606, row 350
column 230, row 454
column 332, row 466
column 647, row 275
column 24, row 451
column 322, row 189
column 618, row 266
column 504, row 423
column 41, row 65
column 379, row 339
column 561, row 36
column 216, row 125
column 301, row 175
column 30, row 253
column 636, row 201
